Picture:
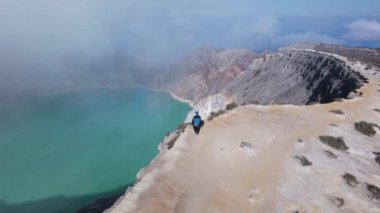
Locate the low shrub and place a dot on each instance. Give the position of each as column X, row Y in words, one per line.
column 231, row 106
column 337, row 111
column 366, row 128
column 374, row 191
column 350, row 180
column 330, row 154
column 171, row 143
column 335, row 142
column 215, row 114
column 182, row 127
column 304, row 161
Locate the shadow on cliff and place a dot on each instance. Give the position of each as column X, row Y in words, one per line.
column 91, row 203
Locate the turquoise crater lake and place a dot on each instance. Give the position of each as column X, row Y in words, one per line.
column 61, row 152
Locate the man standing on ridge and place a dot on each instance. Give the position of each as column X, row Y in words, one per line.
column 197, row 122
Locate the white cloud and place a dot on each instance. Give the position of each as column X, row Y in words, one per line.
column 363, row 30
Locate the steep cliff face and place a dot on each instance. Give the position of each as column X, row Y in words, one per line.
column 291, row 76
column 294, row 77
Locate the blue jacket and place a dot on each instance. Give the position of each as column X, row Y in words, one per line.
column 196, row 119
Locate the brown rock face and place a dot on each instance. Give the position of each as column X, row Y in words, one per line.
column 204, row 72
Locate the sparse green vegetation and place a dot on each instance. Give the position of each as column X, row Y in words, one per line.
column 172, row 141
column 337, row 201
column 335, row 142
column 251, row 102
column 231, row 106
column 374, row 191
column 337, row 111
column 215, row 114
column 350, row 180
column 377, row 158
column 330, row 154
column 312, row 103
column 182, row 127
column 366, row 128
column 304, row 161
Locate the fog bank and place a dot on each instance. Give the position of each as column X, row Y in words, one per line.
column 45, row 43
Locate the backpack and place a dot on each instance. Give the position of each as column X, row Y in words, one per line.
column 197, row 121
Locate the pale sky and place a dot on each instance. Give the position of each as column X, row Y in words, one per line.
column 159, row 27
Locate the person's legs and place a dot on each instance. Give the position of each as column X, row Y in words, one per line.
column 196, row 130
column 199, row 128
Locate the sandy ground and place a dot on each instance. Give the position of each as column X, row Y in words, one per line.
column 216, row 172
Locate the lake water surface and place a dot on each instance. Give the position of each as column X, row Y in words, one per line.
column 61, row 152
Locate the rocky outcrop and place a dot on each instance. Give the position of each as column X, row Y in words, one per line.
column 294, row 77
column 366, row 55
column 203, row 73
column 290, row 76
